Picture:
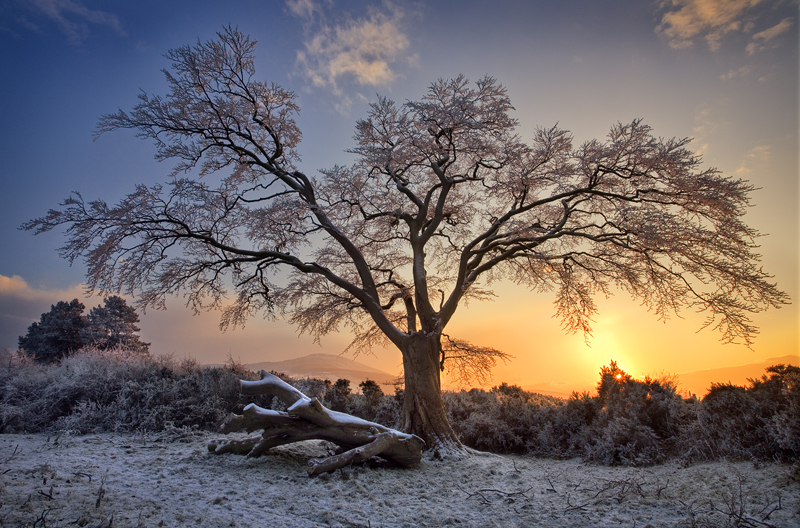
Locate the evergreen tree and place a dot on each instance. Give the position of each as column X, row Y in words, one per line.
column 372, row 392
column 58, row 333
column 114, row 326
column 64, row 330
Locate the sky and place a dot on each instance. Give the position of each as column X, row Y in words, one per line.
column 723, row 72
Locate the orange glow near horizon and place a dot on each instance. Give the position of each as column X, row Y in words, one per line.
column 545, row 357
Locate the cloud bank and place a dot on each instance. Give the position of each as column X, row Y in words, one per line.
column 685, row 21
column 21, row 304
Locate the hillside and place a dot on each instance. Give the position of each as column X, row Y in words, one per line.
column 699, row 381
column 325, row 366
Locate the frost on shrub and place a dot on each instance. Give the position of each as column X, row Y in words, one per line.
column 628, row 421
column 759, row 421
column 785, row 425
column 338, row 396
column 728, row 423
column 638, row 423
column 115, row 390
column 505, row 420
column 373, row 395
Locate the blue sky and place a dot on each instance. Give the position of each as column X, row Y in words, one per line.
column 724, row 72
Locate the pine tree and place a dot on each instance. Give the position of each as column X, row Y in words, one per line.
column 114, row 326
column 58, row 333
column 64, row 330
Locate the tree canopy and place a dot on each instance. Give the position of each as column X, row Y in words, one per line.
column 57, row 334
column 443, row 200
column 64, row 330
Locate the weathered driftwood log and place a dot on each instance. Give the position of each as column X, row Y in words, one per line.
column 306, row 419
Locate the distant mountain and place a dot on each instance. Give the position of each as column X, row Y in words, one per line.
column 699, row 381
column 325, row 366
column 549, row 388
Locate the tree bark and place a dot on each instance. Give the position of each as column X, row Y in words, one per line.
column 423, row 413
column 307, row 419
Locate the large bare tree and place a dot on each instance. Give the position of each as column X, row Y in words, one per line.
column 444, row 199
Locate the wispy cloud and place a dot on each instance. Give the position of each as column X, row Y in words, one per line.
column 73, row 19
column 744, row 71
column 303, row 8
column 706, row 125
column 766, row 39
column 362, row 50
column 686, row 21
column 758, row 155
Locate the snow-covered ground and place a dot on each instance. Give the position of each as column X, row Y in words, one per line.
column 172, row 480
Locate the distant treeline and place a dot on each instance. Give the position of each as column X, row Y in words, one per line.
column 627, row 421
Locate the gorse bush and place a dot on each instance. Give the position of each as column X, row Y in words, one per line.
column 627, row 422
column 113, row 390
column 117, row 390
column 476, row 416
column 759, row 421
column 633, row 422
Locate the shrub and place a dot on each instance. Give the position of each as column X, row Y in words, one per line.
column 633, row 422
column 113, row 390
column 505, row 420
column 785, row 426
column 627, row 422
column 759, row 421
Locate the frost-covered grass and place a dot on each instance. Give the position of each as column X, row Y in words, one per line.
column 627, row 422
column 170, row 479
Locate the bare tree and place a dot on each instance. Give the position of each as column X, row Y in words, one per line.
column 443, row 200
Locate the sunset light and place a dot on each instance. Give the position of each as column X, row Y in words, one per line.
column 400, row 263
column 728, row 82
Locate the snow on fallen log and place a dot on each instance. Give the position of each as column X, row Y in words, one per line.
column 306, row 419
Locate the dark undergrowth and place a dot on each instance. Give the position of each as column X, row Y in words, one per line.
column 635, row 423
column 627, row 421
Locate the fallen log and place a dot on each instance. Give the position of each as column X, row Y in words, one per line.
column 306, row 419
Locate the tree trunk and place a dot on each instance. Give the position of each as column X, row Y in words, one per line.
column 307, row 419
column 423, row 411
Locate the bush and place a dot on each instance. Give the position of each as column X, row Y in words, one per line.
column 759, row 421
column 632, row 422
column 627, row 422
column 505, row 420
column 639, row 423
column 113, row 390
column 117, row 390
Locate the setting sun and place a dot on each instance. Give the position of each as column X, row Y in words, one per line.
column 736, row 99
column 421, row 263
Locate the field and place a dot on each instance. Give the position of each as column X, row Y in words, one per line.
column 170, row 479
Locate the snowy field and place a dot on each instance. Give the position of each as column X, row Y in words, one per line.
column 172, row 480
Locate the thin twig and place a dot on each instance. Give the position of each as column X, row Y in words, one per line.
column 101, row 492
column 16, row 448
column 48, row 495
